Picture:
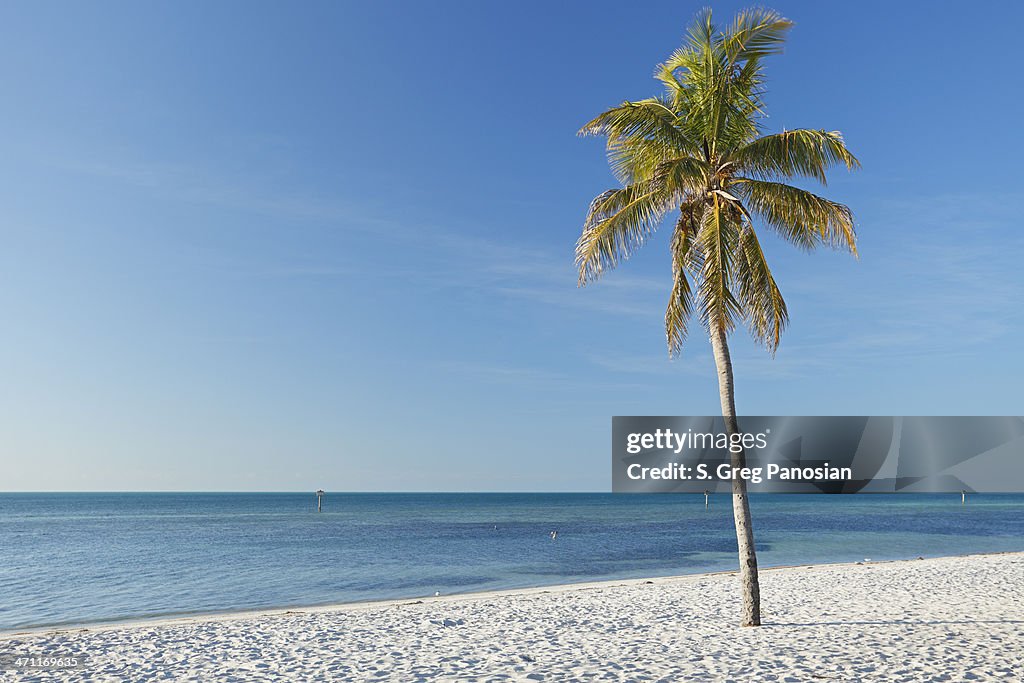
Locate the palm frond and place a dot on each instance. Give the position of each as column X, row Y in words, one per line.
column 716, row 241
column 803, row 152
column 716, row 76
column 694, row 73
column 802, row 217
column 755, row 33
column 647, row 118
column 640, row 135
column 619, row 221
column 682, row 176
column 680, row 300
column 763, row 306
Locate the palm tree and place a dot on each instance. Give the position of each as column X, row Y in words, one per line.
column 700, row 149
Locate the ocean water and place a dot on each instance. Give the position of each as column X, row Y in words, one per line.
column 89, row 557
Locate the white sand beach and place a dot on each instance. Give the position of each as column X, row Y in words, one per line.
column 942, row 619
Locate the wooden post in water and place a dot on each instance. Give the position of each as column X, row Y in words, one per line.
column 319, row 496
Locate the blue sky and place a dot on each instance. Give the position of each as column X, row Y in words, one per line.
column 259, row 246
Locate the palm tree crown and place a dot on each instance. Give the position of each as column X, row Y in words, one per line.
column 700, row 148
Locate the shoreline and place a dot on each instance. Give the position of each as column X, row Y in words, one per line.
column 942, row 618
column 199, row 618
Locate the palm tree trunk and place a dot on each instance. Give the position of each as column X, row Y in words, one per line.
column 740, row 503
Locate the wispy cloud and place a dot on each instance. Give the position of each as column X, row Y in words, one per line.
column 696, row 364
column 505, row 374
column 547, row 381
column 939, row 276
column 194, row 184
column 451, row 258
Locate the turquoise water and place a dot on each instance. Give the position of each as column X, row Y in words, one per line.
column 74, row 558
